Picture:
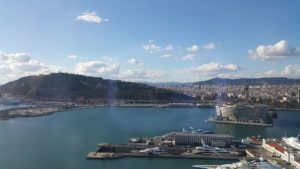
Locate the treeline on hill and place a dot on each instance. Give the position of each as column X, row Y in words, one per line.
column 71, row 86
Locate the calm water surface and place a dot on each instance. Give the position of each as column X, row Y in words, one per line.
column 62, row 140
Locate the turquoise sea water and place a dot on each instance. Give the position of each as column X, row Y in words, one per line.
column 62, row 140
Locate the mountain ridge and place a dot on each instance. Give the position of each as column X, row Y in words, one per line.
column 229, row 81
column 71, row 86
column 250, row 81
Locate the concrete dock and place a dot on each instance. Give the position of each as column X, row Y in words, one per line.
column 116, row 151
column 103, row 156
column 238, row 122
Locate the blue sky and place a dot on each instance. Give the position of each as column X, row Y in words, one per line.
column 157, row 41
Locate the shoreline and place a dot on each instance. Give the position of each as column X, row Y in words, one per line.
column 34, row 111
column 111, row 156
column 286, row 109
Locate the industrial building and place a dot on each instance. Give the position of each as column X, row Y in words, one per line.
column 188, row 138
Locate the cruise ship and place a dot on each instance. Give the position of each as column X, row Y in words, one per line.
column 241, row 165
column 243, row 113
column 292, row 141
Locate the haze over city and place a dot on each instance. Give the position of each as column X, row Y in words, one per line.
column 154, row 41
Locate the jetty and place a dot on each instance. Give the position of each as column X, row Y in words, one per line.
column 184, row 145
column 117, row 151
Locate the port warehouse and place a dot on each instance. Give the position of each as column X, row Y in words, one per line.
column 218, row 140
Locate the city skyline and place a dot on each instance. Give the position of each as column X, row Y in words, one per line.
column 182, row 41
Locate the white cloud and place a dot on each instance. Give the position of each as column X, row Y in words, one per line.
column 188, row 57
column 33, row 67
column 209, row 46
column 196, row 48
column 16, row 65
column 4, row 70
column 138, row 74
column 291, row 71
column 193, row 48
column 169, row 47
column 15, row 57
column 279, row 51
column 97, row 68
column 231, row 67
column 166, row 56
column 151, row 47
column 73, row 56
column 91, row 17
column 271, row 73
column 214, row 69
column 288, row 71
column 134, row 61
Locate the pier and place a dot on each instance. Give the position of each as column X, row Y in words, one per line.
column 117, row 151
column 215, row 120
column 184, row 145
column 102, row 156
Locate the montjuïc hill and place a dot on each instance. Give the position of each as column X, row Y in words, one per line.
column 59, row 86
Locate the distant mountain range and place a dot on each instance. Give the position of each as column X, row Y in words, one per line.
column 162, row 84
column 241, row 81
column 251, row 81
column 70, row 86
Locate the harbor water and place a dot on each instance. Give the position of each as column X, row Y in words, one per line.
column 62, row 140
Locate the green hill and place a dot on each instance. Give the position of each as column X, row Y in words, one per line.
column 70, row 86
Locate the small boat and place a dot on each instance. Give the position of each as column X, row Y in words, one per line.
column 154, row 150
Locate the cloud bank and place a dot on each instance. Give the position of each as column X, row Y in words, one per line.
column 279, row 51
column 16, row 65
column 97, row 68
column 213, row 69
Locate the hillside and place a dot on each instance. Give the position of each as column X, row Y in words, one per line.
column 70, row 86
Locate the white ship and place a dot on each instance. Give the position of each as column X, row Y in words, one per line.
column 292, row 141
column 206, row 149
column 154, row 150
column 240, row 165
column 243, row 113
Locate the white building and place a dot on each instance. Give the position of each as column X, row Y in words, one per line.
column 292, row 157
column 274, row 148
